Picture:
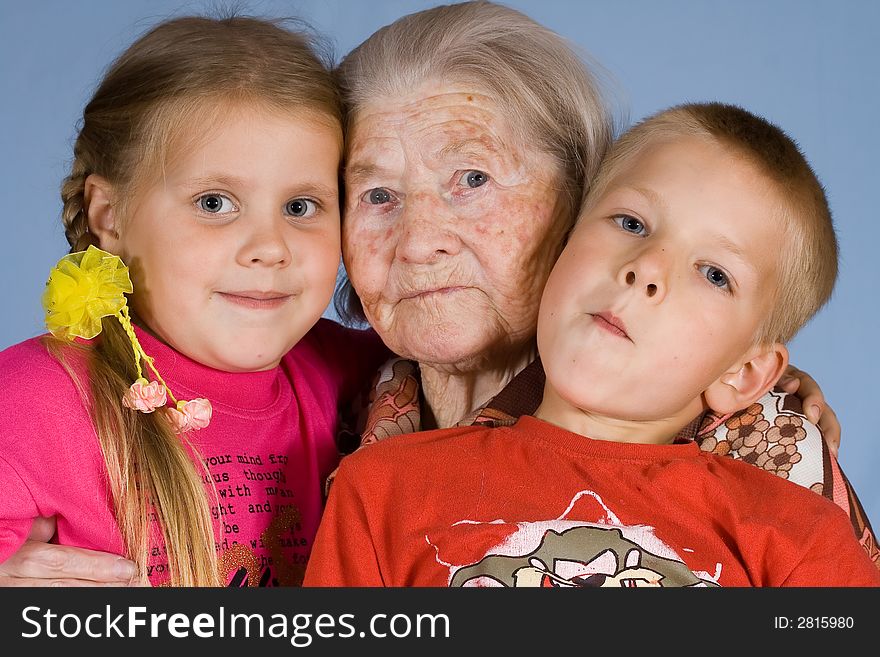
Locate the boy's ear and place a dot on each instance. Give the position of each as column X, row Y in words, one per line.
column 748, row 380
column 98, row 205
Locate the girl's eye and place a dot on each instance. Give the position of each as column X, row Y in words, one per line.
column 215, row 204
column 715, row 276
column 300, row 207
column 377, row 196
column 630, row 224
column 474, row 178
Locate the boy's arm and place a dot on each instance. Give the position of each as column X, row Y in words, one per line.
column 832, row 557
column 344, row 553
column 773, row 434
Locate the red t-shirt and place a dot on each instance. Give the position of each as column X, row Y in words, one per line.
column 536, row 505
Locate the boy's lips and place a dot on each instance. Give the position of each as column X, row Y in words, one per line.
column 611, row 323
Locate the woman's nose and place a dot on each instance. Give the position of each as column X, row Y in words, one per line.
column 426, row 230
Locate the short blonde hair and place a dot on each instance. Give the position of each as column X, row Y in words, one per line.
column 808, row 258
column 551, row 99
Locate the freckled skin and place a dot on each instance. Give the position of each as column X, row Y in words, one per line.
column 449, row 275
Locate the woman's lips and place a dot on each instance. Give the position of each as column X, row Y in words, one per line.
column 612, row 324
column 257, row 300
column 439, row 291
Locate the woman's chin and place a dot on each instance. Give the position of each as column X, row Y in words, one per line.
column 447, row 344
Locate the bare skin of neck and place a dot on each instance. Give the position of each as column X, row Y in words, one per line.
column 451, row 393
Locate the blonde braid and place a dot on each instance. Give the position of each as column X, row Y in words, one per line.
column 150, row 96
column 73, row 215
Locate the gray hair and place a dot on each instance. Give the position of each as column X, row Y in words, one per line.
column 550, row 96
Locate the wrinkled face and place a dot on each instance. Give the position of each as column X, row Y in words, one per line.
column 234, row 252
column 451, row 226
column 663, row 284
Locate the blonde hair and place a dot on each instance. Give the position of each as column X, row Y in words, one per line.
column 150, row 96
column 808, row 257
column 550, row 98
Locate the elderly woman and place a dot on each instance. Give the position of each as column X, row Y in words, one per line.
column 471, row 134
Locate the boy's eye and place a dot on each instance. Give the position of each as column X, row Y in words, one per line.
column 473, row 178
column 215, row 204
column 630, row 224
column 300, row 207
column 715, row 276
column 377, row 196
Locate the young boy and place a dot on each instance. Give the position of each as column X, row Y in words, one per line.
column 701, row 206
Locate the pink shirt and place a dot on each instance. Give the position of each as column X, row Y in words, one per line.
column 268, row 448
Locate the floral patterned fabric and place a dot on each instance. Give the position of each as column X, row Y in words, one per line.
column 772, row 434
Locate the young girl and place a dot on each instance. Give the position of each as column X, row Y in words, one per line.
column 191, row 424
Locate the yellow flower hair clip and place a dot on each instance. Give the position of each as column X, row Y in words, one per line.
column 85, row 287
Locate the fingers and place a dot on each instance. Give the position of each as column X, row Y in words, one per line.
column 24, row 582
column 813, row 402
column 42, row 530
column 52, row 564
column 809, row 392
column 789, row 383
column 830, row 426
column 815, row 407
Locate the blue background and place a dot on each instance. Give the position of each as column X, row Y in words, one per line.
column 811, row 66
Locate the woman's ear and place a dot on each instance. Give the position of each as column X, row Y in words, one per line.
column 748, row 380
column 98, row 205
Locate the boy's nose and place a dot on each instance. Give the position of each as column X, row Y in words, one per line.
column 648, row 273
column 650, row 288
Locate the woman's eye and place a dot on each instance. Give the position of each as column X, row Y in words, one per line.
column 377, row 196
column 215, row 204
column 715, row 276
column 473, row 178
column 630, row 224
column 300, row 207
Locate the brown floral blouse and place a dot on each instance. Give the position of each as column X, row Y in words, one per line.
column 772, row 433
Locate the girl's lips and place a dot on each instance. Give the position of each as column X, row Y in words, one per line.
column 605, row 320
column 256, row 300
